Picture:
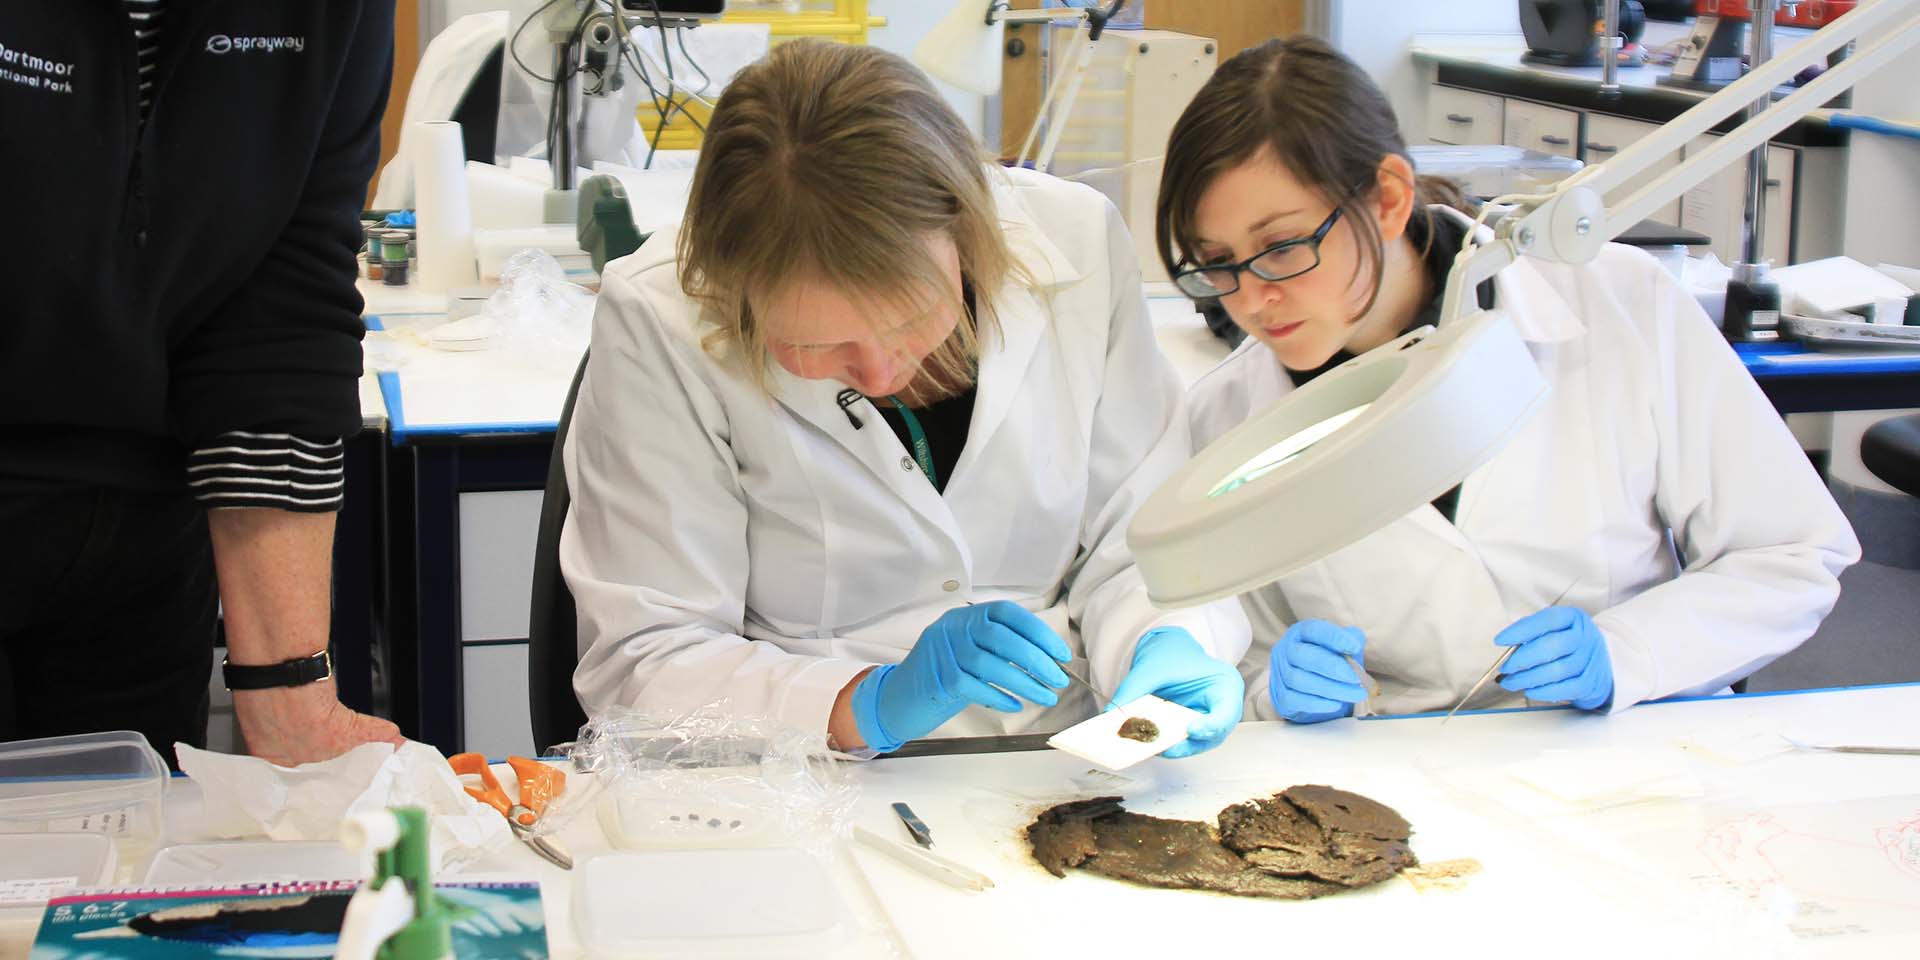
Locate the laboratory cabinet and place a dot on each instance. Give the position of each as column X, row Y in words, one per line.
column 1804, row 198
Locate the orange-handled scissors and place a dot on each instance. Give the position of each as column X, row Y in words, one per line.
column 539, row 784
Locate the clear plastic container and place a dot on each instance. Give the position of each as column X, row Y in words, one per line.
column 250, row 861
column 35, row 867
column 493, row 247
column 1493, row 170
column 764, row 902
column 103, row 783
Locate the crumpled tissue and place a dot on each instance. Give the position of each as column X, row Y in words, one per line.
column 249, row 798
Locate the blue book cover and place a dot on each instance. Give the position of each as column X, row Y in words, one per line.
column 491, row 921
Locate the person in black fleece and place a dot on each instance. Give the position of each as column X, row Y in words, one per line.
column 179, row 351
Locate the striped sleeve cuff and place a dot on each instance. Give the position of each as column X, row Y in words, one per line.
column 277, row 470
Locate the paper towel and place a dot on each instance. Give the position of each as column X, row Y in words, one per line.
column 445, row 222
column 249, row 798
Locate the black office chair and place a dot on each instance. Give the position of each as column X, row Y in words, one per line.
column 1891, row 449
column 552, row 627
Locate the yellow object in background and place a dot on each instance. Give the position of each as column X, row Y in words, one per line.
column 843, row 20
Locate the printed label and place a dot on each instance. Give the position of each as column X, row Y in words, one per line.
column 221, row 43
column 34, row 72
column 113, row 823
column 43, row 888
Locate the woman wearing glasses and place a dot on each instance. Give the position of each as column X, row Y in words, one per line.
column 858, row 443
column 1653, row 530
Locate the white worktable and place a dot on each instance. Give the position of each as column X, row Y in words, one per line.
column 1632, row 880
column 498, row 391
column 1773, row 841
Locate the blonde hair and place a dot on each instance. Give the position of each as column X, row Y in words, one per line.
column 832, row 162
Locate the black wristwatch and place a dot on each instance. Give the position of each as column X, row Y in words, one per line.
column 286, row 673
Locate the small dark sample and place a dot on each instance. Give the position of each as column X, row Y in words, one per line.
column 1141, row 729
column 1304, row 842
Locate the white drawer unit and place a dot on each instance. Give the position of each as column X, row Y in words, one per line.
column 1805, row 196
column 1606, row 136
column 497, row 532
column 1716, row 206
column 1536, row 126
column 496, row 718
column 1463, row 117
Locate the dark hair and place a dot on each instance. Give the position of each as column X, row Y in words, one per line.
column 1325, row 121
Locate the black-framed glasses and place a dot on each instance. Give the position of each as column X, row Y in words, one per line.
column 1282, row 261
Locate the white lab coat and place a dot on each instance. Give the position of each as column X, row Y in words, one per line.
column 1651, row 425
column 728, row 543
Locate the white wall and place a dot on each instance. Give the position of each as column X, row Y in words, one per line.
column 1883, row 173
column 1882, row 220
column 1375, row 34
column 907, row 22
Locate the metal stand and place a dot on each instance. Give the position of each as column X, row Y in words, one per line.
column 1753, row 299
column 1065, row 86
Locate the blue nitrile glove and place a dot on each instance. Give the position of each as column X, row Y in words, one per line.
column 957, row 662
column 1171, row 665
column 1308, row 676
column 1562, row 659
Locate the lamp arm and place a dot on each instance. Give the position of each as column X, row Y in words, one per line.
column 1066, row 74
column 1042, row 15
column 998, row 12
column 1073, row 72
column 1471, row 267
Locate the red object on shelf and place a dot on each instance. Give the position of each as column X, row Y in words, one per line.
column 1808, row 13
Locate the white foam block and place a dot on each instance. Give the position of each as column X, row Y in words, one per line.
column 1824, row 287
column 1099, row 741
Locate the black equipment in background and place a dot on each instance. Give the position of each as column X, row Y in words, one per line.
column 1566, row 33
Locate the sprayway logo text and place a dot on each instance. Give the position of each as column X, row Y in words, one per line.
column 221, row 43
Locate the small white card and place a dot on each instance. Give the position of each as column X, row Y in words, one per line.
column 36, row 890
column 1099, row 741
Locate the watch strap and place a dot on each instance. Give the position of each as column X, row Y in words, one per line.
column 287, row 673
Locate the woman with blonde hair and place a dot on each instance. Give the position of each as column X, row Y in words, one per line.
column 1621, row 540
column 857, row 444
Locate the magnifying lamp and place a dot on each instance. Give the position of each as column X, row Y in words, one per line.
column 1386, row 432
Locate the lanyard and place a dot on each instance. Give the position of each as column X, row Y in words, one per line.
column 921, row 451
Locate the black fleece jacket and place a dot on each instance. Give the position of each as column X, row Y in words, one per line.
column 170, row 283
